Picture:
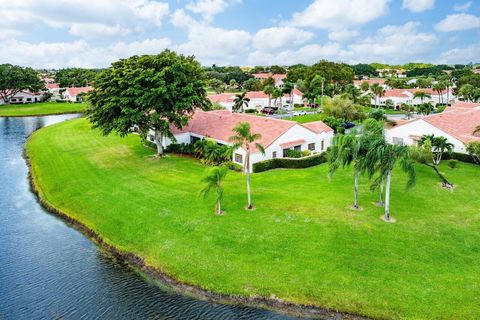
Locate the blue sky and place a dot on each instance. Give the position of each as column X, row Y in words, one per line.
column 94, row 33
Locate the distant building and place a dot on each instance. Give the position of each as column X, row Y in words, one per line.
column 74, row 94
column 279, row 78
column 258, row 100
column 380, row 81
column 25, row 97
column 399, row 96
column 277, row 136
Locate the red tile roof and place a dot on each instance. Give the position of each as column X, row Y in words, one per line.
column 221, row 97
column 293, row 143
column 404, row 93
column 75, row 91
column 266, row 75
column 317, row 126
column 464, row 104
column 229, row 97
column 369, row 81
column 52, row 86
column 219, row 124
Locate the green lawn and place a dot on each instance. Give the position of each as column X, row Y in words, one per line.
column 309, row 117
column 302, row 243
column 42, row 108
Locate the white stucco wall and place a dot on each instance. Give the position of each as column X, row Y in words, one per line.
column 419, row 128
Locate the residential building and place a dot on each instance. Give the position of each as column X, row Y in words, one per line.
column 258, row 100
column 456, row 123
column 399, row 96
column 74, row 94
column 277, row 136
column 25, row 97
column 279, row 78
column 371, row 81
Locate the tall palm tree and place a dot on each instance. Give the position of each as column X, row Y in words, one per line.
column 240, row 101
column 422, row 95
column 244, row 138
column 439, row 87
column 213, row 181
column 388, row 155
column 277, row 93
column 288, row 89
column 268, row 90
column 378, row 91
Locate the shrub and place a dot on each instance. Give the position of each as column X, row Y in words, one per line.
column 294, row 154
column 306, row 153
column 290, row 163
column 183, row 148
column 232, row 166
column 452, row 163
column 458, row 156
column 60, row 101
column 250, row 111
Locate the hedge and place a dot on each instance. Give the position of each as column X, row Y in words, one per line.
column 290, row 163
column 458, row 156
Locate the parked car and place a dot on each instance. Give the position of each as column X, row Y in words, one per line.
column 348, row 125
column 268, row 111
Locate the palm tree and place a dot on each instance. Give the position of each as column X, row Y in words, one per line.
column 378, row 91
column 268, row 90
column 288, row 89
column 346, row 149
column 440, row 146
column 244, row 138
column 422, row 95
column 213, row 181
column 388, row 155
column 408, row 109
column 277, row 93
column 439, row 87
column 425, row 108
column 240, row 101
column 317, row 85
column 364, row 86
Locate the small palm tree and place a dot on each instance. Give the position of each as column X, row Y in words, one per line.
column 440, row 146
column 268, row 90
column 388, row 155
column 244, row 138
column 422, row 95
column 213, row 181
column 240, row 102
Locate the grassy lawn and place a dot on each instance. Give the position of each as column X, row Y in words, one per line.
column 309, row 117
column 42, row 108
column 301, row 244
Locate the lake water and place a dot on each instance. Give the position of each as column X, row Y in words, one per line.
column 49, row 270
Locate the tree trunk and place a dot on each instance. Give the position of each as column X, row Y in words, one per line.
column 247, row 165
column 219, row 208
column 387, row 196
column 269, row 101
column 355, row 204
column 380, row 202
column 158, row 138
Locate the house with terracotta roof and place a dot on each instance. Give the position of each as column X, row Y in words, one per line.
column 456, row 123
column 399, row 96
column 278, row 136
column 279, row 78
column 258, row 100
column 25, row 96
column 74, row 94
column 371, row 81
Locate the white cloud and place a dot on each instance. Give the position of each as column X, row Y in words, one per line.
column 392, row 44
column 308, row 54
column 339, row 14
column 209, row 8
column 97, row 30
column 278, row 37
column 418, row 5
column 22, row 15
column 76, row 53
column 460, row 55
column 462, row 7
column 460, row 21
column 343, row 35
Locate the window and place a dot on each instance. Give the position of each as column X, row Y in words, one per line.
column 311, row 146
column 274, row 154
column 322, row 147
column 285, row 153
column 297, row 148
column 238, row 158
column 397, row 140
column 151, row 137
column 194, row 139
column 29, row 99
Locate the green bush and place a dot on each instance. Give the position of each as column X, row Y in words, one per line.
column 60, row 101
column 232, row 166
column 452, row 163
column 306, row 153
column 290, row 163
column 250, row 111
column 183, row 148
column 458, row 156
column 294, row 154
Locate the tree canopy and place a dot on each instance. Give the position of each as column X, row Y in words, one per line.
column 14, row 79
column 149, row 92
column 75, row 77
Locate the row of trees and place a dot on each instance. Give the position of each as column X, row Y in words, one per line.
column 14, row 79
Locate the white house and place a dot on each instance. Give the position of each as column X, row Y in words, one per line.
column 278, row 136
column 279, row 78
column 25, row 97
column 399, row 96
column 258, row 100
column 72, row 94
column 456, row 123
column 380, row 81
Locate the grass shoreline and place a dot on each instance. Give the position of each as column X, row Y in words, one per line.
column 307, row 249
column 172, row 283
column 40, row 109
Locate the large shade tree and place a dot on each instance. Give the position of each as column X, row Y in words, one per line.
column 149, row 92
column 244, row 138
column 14, row 79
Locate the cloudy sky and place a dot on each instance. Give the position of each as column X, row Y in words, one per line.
column 94, row 33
